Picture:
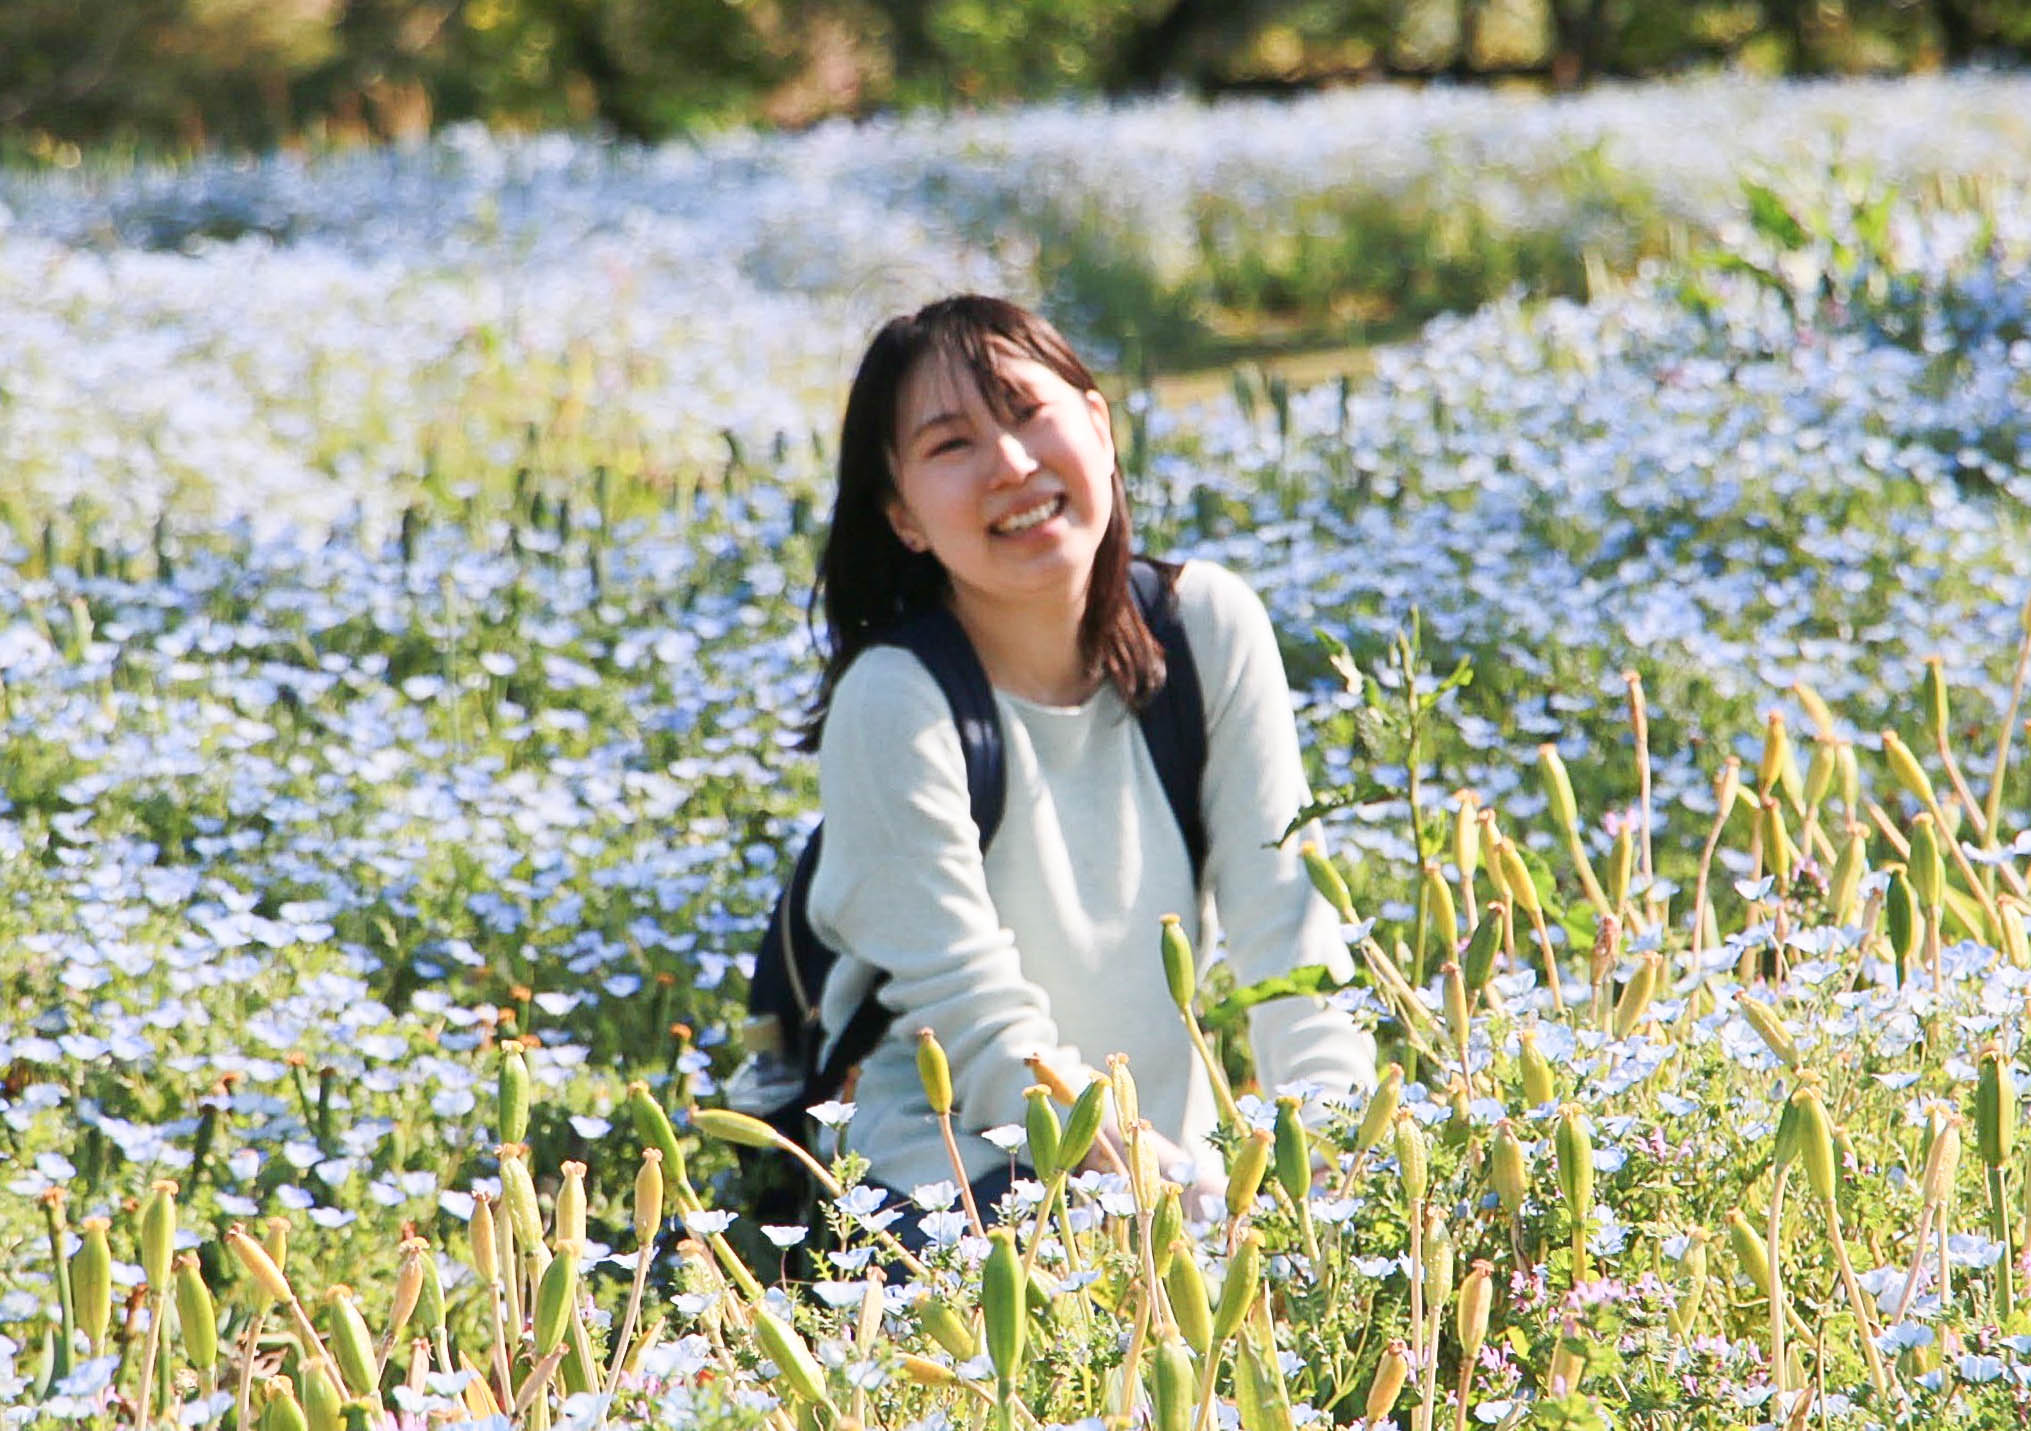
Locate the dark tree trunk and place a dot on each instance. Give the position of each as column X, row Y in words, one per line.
column 1960, row 29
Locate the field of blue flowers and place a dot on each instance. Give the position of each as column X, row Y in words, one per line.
column 402, row 644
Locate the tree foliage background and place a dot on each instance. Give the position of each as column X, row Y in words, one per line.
column 171, row 74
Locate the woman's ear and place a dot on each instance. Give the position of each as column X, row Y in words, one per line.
column 904, row 523
column 1103, row 419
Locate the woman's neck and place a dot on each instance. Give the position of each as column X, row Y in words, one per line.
column 1031, row 651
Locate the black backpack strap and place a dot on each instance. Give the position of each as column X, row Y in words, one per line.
column 1174, row 719
column 935, row 638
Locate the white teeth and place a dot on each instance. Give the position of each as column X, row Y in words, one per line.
column 1023, row 521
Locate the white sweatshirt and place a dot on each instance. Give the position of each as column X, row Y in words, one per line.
column 1050, row 944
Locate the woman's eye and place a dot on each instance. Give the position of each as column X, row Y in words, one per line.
column 1028, row 409
column 947, row 445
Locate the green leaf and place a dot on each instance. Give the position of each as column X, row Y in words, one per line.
column 1310, row 980
column 1340, row 659
column 1771, row 217
column 1340, row 797
column 1572, row 1412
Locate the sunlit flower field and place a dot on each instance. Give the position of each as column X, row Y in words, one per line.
column 402, row 646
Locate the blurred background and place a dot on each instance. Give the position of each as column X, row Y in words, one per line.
column 169, row 76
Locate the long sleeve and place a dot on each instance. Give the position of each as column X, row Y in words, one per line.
column 1271, row 918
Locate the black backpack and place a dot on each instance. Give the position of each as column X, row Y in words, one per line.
column 792, row 963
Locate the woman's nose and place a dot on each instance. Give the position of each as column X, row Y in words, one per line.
column 1012, row 460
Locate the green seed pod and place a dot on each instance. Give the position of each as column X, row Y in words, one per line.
column 352, row 1345
column 569, row 1217
column 1784, row 1150
column 555, row 1294
column 409, row 1276
column 728, row 1126
column 1770, row 1028
column 649, row 1198
column 935, row 1072
column 947, row 1328
column 260, row 1266
column 1816, row 1143
column 1776, row 755
column 1082, row 1124
column 2016, row 944
column 1411, row 1157
column 1251, row 1163
column 1238, row 1290
column 1478, row 967
column 1935, row 700
column 1942, row 1158
column 1516, row 880
column 1127, row 1104
column 1185, row 1286
column 1574, row 1147
column 1636, row 995
column 486, row 1247
column 1780, row 855
column 1816, row 709
column 1901, row 920
column 1905, row 767
column 518, row 1196
column 1166, row 1225
column 1750, row 1251
column 1844, row 891
column 279, row 1411
column 1453, row 985
column 1380, row 1115
column 1181, row 974
column 158, row 1234
column 1326, row 880
column 1850, row 773
column 1438, row 1259
column 1928, row 866
column 1819, row 774
column 1040, row 1122
column 1539, row 1086
column 1390, row 1374
column 1995, row 1108
column 1477, row 1302
column 1508, row 1167
column 782, row 1345
column 430, row 1301
column 1696, row 1280
column 652, row 1126
column 1003, row 1305
column 92, row 1281
column 1442, row 920
column 196, row 1316
column 1467, row 835
column 516, row 1091
column 1558, row 788
column 1621, row 867
column 1293, row 1152
column 322, row 1399
column 1259, row 1393
column 1175, row 1385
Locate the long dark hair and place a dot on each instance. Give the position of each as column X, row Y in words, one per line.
column 868, row 580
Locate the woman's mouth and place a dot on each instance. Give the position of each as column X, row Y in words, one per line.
column 1017, row 522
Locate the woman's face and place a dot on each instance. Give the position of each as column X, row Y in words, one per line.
column 1015, row 509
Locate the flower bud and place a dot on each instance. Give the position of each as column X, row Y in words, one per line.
column 486, row 1250
column 1819, row 774
column 1127, row 1104
column 1508, row 1167
column 158, row 1234
column 925, row 1372
column 1411, row 1157
column 1844, row 890
column 1040, row 1122
column 1816, row 1143
column 409, row 1276
column 196, row 1315
column 1784, row 1148
column 1539, row 1086
column 1442, row 920
column 1695, row 1261
column 1390, row 1374
column 1727, row 785
column 1238, row 1290
column 947, row 1328
column 1244, row 1179
column 1636, row 995
column 1003, row 1304
column 1780, row 855
column 1901, row 920
column 2010, row 915
column 1477, row 1301
column 1574, row 1147
column 1479, row 964
column 935, row 1072
column 279, row 1409
column 782, row 1345
column 1934, row 682
column 1558, row 788
column 648, row 1198
column 1770, row 1028
column 1850, row 774
column 1185, row 1287
column 1995, row 1107
column 258, row 1264
column 352, row 1345
column 1175, row 1385
column 1750, row 1251
column 555, row 1293
column 1928, row 867
column 1776, row 753
column 1905, row 767
column 1082, row 1124
column 1942, row 1158
column 1380, row 1115
column 1453, row 985
column 1467, row 835
column 652, row 1126
column 1621, row 867
column 1326, row 880
column 515, row 1092
column 1145, row 1171
column 1293, row 1152
column 322, row 1399
column 728, row 1126
column 1816, row 709
column 518, row 1196
column 1181, row 974
column 91, row 1274
column 568, row 1221
column 1438, row 1259
column 1516, row 878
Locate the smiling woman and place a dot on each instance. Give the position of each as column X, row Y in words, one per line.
column 977, row 473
